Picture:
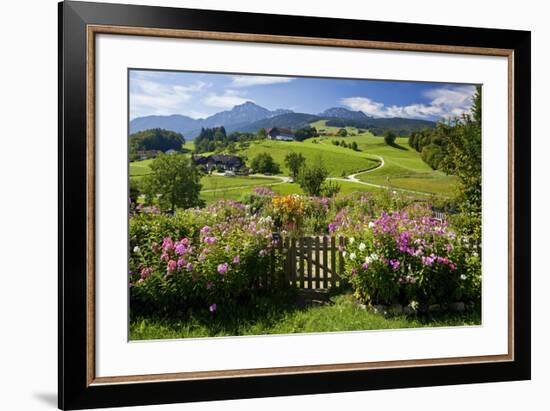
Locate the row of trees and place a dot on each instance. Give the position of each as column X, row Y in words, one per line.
column 155, row 139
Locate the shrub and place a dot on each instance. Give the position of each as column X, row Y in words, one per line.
column 264, row 163
column 409, row 257
column 208, row 259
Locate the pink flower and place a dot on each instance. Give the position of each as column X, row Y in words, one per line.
column 171, row 265
column 205, row 230
column 146, row 272
column 236, row 259
column 167, row 244
column 262, row 253
column 189, row 267
column 365, row 266
column 331, row 228
column 222, row 268
column 227, row 248
column 213, row 308
column 180, row 249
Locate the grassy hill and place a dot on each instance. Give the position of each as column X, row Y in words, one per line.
column 338, row 160
column 403, row 167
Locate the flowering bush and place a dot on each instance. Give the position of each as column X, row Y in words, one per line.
column 288, row 211
column 409, row 256
column 207, row 258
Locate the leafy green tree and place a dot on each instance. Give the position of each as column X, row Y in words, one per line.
column 354, row 146
column 294, row 162
column 312, row 178
column 261, row 134
column 463, row 157
column 264, row 163
column 330, row 188
column 342, row 132
column 155, row 139
column 174, row 182
column 306, row 132
column 389, row 138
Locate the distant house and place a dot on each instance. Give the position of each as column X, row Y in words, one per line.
column 279, row 133
column 221, row 161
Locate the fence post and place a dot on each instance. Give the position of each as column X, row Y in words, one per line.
column 302, row 260
column 324, row 283
column 293, row 261
column 309, row 264
column 333, row 262
column 341, row 268
column 317, row 281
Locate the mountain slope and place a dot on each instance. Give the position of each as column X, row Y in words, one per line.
column 340, row 112
column 234, row 119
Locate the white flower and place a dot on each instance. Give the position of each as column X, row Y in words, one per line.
column 352, row 256
column 136, row 249
column 362, row 247
column 462, row 277
column 344, row 254
column 371, row 225
column 351, row 240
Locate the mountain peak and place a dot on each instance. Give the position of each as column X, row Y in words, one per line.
column 341, row 112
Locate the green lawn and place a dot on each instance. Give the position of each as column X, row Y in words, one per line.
column 278, row 316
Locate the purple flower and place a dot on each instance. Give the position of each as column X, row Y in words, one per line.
column 205, row 230
column 209, row 285
column 262, row 253
column 222, row 268
column 181, row 262
column 189, row 267
column 353, row 272
column 210, row 240
column 395, row 264
column 365, row 266
column 167, row 244
column 180, row 249
column 213, row 308
column 227, row 248
column 331, row 228
column 236, row 259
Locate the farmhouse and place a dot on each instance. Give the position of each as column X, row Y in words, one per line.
column 222, row 161
column 279, row 133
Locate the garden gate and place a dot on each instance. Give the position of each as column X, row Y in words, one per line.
column 313, row 262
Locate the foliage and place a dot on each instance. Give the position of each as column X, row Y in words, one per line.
column 342, row 132
column 389, row 138
column 294, row 162
column 155, row 139
column 209, row 258
column 217, row 139
column 173, row 182
column 288, row 212
column 264, row 163
column 305, row 132
column 410, row 257
column 312, row 178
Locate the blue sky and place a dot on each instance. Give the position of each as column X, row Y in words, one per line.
column 200, row 95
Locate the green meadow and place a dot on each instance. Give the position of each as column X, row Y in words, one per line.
column 375, row 166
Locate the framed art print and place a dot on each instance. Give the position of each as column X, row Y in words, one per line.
column 262, row 205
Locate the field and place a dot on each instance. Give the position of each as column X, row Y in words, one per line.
column 374, row 167
column 403, row 168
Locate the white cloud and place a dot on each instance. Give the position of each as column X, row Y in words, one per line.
column 248, row 81
column 229, row 99
column 445, row 102
column 149, row 97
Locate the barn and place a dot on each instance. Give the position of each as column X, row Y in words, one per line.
column 279, row 133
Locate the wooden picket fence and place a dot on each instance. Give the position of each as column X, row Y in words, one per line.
column 313, row 262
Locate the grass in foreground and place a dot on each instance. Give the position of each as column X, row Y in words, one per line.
column 275, row 315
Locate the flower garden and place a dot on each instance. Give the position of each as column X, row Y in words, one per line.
column 203, row 265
